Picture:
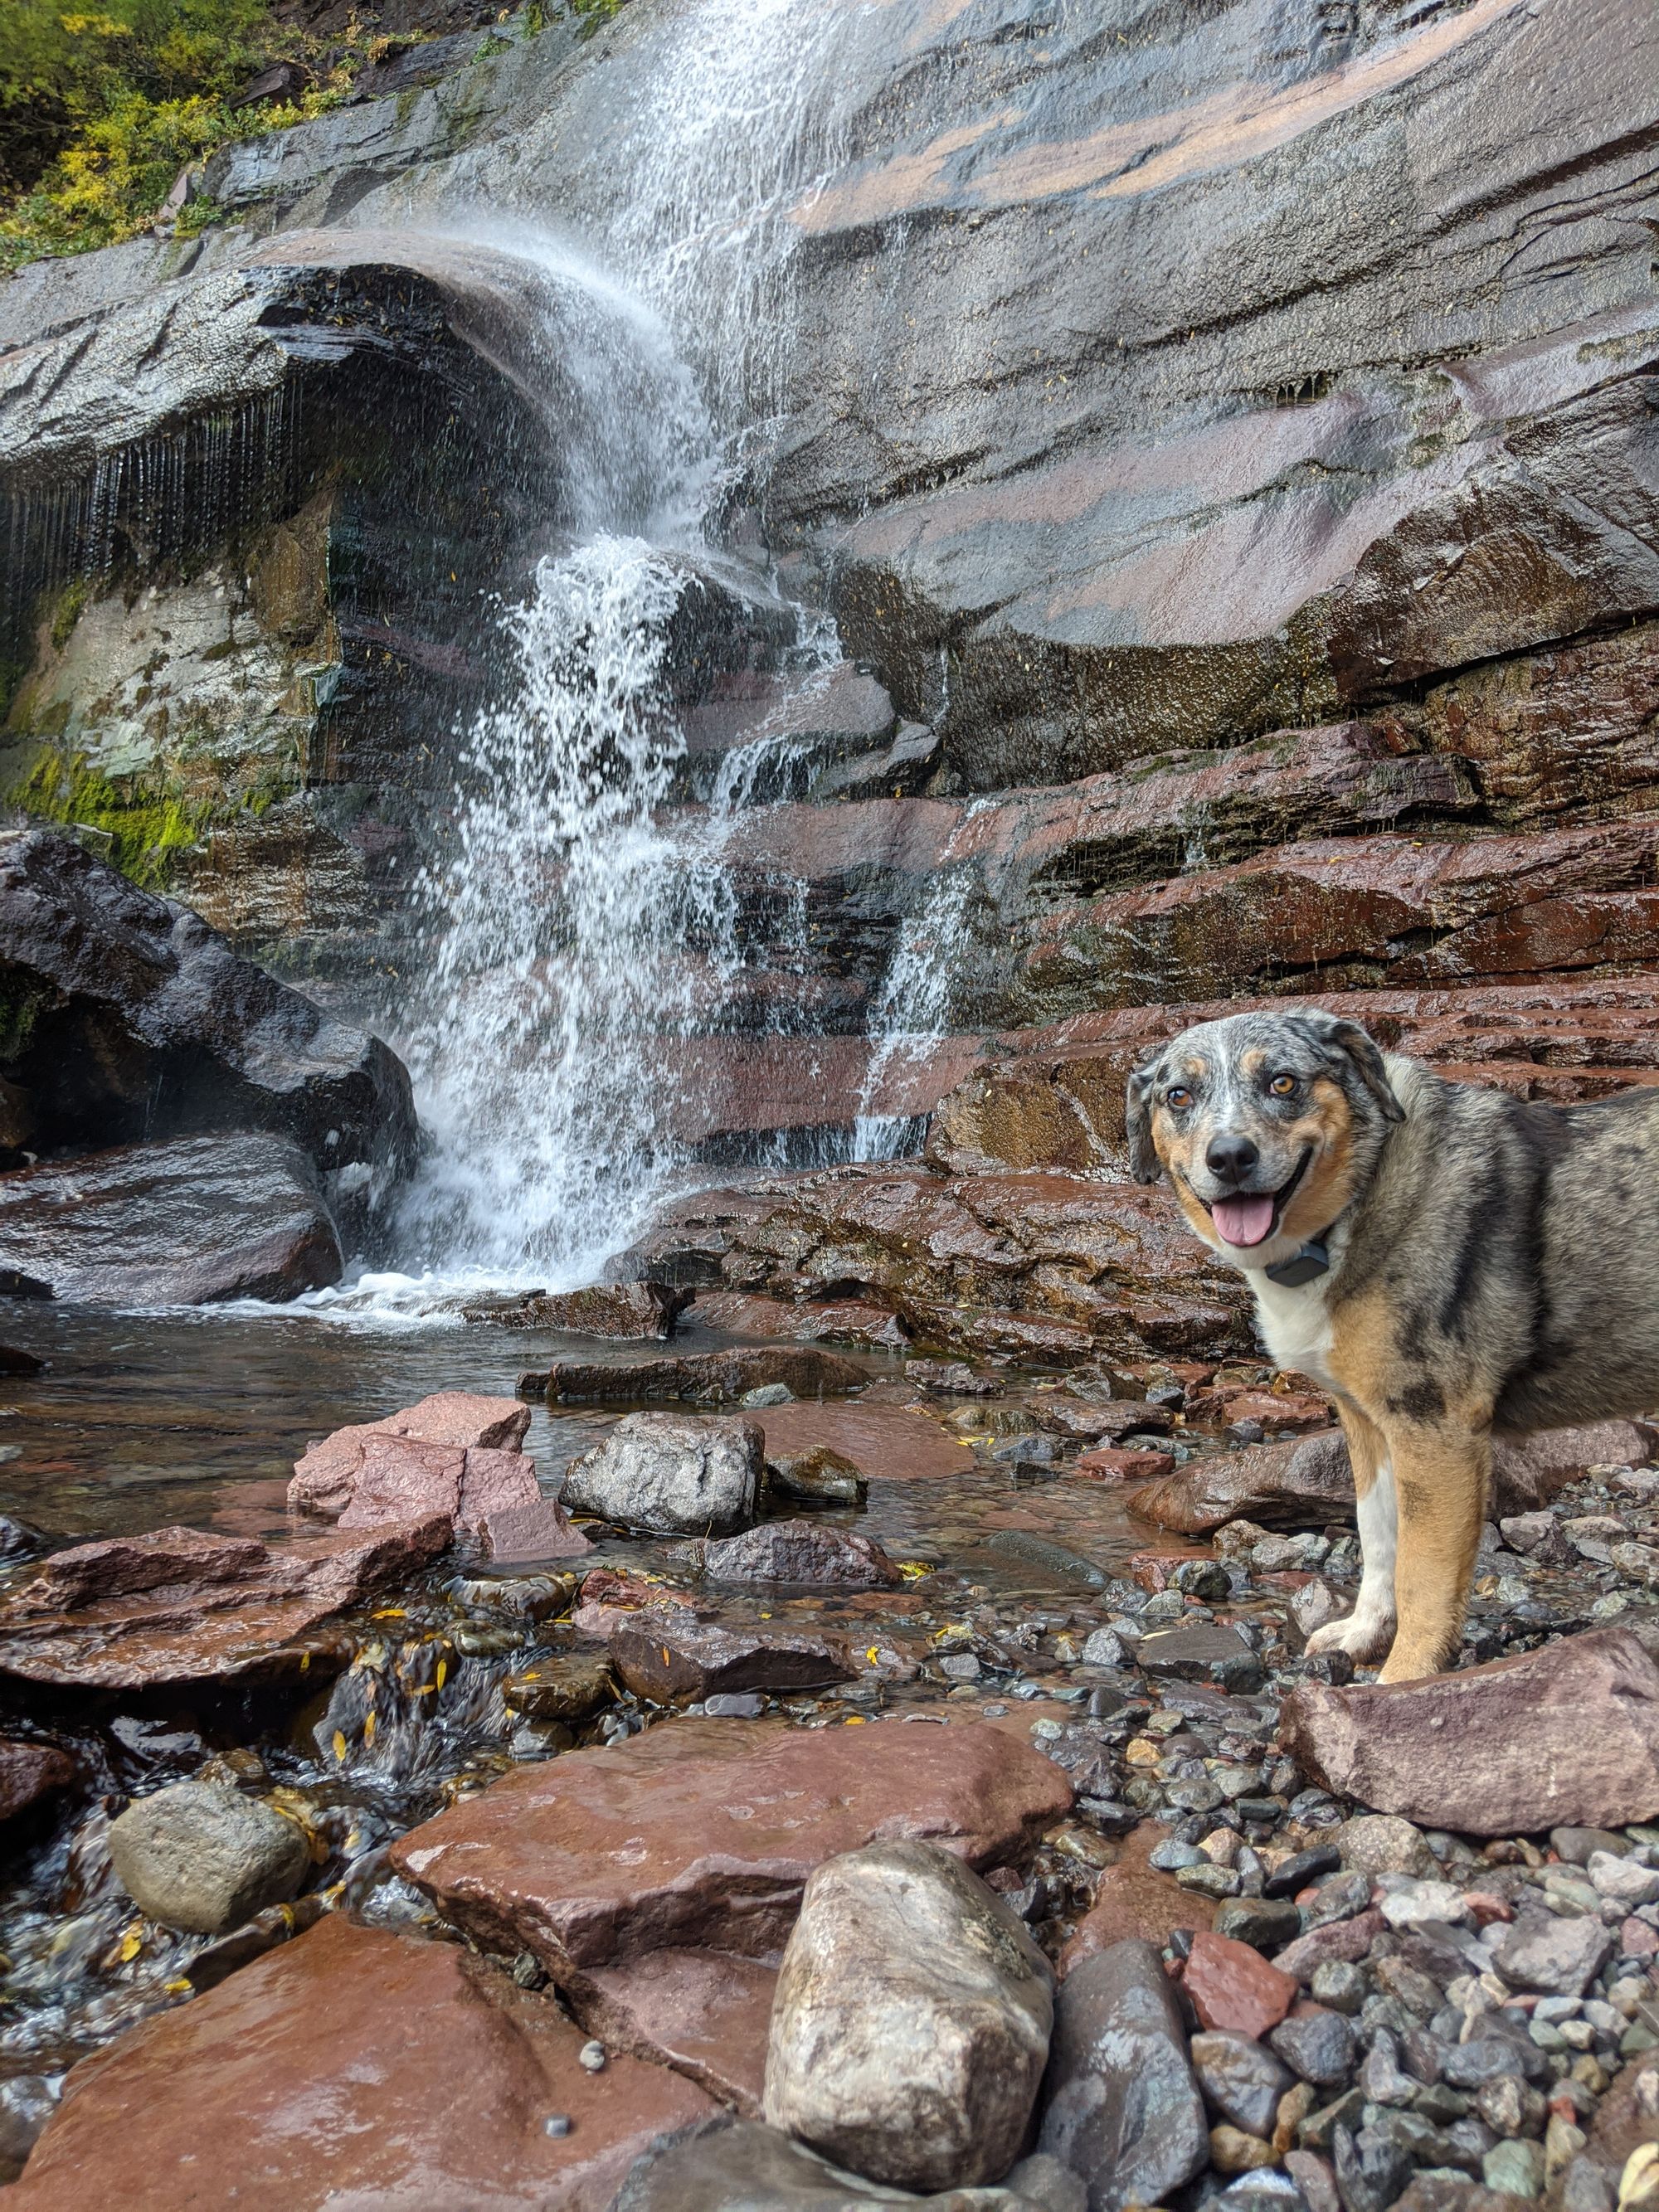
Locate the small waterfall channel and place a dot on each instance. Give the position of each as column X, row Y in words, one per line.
column 586, row 932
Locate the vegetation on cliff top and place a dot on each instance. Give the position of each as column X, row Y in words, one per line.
column 102, row 104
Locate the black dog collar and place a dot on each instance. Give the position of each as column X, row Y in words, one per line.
column 1305, row 1265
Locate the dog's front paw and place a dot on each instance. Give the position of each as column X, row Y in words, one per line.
column 1364, row 1639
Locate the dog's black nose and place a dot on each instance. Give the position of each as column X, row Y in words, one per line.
column 1231, row 1156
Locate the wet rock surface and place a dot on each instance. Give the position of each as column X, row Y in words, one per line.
column 196, row 1222
column 134, row 1021
column 179, row 1607
column 673, row 1475
column 376, row 2027
column 1122, row 2109
column 205, row 1859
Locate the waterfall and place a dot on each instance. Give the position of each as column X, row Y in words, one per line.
column 585, row 931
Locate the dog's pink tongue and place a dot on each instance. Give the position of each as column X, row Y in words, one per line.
column 1244, row 1220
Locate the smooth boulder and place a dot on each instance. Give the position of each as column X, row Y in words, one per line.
column 193, row 1223
column 1121, row 2107
column 673, row 1475
column 202, row 1858
column 1565, row 1736
column 911, row 2023
column 131, row 1020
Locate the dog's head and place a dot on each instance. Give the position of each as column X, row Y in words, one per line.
column 1268, row 1125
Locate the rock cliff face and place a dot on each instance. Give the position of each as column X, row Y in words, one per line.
column 1224, row 435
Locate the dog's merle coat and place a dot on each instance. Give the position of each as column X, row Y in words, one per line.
column 1492, row 1267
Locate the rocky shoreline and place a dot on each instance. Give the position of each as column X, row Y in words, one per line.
column 624, row 1817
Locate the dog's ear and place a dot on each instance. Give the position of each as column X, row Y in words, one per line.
column 1364, row 1053
column 1145, row 1164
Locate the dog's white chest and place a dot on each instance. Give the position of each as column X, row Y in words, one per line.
column 1295, row 1325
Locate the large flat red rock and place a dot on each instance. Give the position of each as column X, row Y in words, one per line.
column 182, row 1606
column 353, row 2067
column 1565, row 1736
column 700, row 1835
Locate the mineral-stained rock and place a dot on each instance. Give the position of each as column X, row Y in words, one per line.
column 628, row 1312
column 703, row 1376
column 1133, row 1900
column 1565, row 1735
column 701, row 1833
column 1232, row 1986
column 220, row 2096
column 1121, row 2107
column 671, row 1653
column 1308, row 1482
column 190, row 1223
column 802, row 1551
column 30, row 1772
column 673, row 1474
column 911, row 2023
column 141, row 1023
column 179, row 1607
column 204, row 1857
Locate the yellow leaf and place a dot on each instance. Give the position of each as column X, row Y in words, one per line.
column 339, row 1743
column 390, row 1613
column 443, row 1669
column 872, row 1654
column 179, row 1989
column 132, row 1944
column 305, row 1662
column 855, row 1720
column 368, row 1731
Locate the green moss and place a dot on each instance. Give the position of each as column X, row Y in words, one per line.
column 21, row 1002
column 147, row 826
column 68, row 611
column 594, row 13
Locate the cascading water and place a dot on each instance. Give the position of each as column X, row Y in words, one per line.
column 585, row 931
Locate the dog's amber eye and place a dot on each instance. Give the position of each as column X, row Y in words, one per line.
column 1179, row 1097
column 1283, row 1086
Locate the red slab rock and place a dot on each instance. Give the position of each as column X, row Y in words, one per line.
column 179, row 1606
column 326, row 1478
column 668, row 1655
column 400, row 1478
column 30, row 1772
column 353, row 2066
column 707, row 2013
column 1233, row 1986
column 700, row 1834
column 1565, row 1736
column 541, row 1531
column 884, row 1442
column 1117, row 1463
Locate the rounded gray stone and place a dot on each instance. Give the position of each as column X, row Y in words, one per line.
column 203, row 1858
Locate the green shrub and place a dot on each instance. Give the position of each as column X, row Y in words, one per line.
column 99, row 110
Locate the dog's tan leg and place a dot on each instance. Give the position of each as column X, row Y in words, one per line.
column 1368, row 1631
column 1440, row 1481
